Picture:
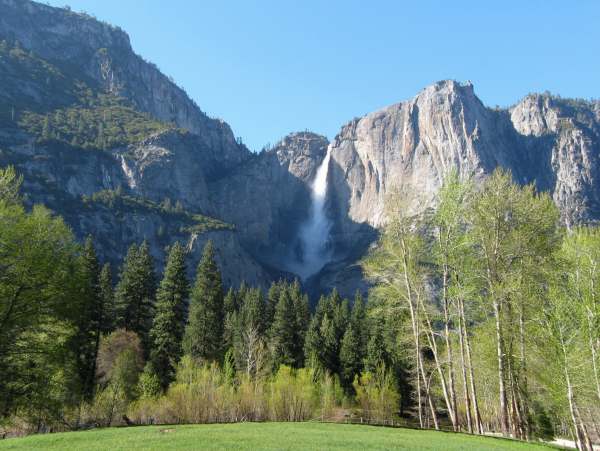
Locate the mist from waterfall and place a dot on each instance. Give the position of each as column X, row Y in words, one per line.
column 314, row 232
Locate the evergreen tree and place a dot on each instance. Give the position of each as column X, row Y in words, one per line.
column 302, row 309
column 353, row 348
column 88, row 339
column 169, row 321
column 108, row 299
column 231, row 302
column 252, row 310
column 204, row 331
column 333, row 327
column 376, row 352
column 313, row 341
column 272, row 300
column 350, row 357
column 134, row 295
column 283, row 333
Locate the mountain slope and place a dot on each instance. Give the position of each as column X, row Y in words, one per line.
column 107, row 141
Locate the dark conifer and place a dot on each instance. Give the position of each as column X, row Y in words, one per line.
column 204, row 331
column 283, row 333
column 90, row 318
column 134, row 295
column 169, row 321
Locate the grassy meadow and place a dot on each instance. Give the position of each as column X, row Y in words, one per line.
column 262, row 436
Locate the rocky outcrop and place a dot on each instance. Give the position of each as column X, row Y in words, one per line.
column 569, row 132
column 409, row 147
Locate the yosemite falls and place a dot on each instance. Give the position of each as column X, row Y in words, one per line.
column 314, row 232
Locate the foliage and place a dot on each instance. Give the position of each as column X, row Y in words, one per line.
column 91, row 319
column 170, row 315
column 135, row 293
column 204, row 330
column 119, row 201
column 76, row 112
column 108, row 299
column 106, row 124
column 376, row 395
column 39, row 307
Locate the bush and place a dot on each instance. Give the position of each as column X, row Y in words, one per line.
column 206, row 393
column 149, row 384
column 108, row 407
column 376, row 396
column 293, row 395
column 111, row 364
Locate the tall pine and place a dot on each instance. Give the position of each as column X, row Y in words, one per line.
column 169, row 320
column 204, row 331
column 134, row 295
column 353, row 348
column 282, row 335
column 350, row 357
column 88, row 339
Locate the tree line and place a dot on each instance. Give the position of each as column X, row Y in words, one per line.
column 79, row 348
column 500, row 308
column 484, row 316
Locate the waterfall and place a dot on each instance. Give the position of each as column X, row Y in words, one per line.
column 314, row 232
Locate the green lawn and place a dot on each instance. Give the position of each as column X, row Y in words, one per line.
column 261, row 436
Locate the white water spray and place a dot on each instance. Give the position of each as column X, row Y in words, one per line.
column 314, row 233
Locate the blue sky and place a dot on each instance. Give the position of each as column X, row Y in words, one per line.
column 272, row 67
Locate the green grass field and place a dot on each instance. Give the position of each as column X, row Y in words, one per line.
column 261, row 436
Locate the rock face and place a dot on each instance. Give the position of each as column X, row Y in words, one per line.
column 191, row 181
column 268, row 197
column 409, row 147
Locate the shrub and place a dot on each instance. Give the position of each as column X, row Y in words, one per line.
column 376, row 396
column 293, row 395
column 109, row 361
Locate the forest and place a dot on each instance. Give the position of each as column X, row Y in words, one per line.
column 483, row 316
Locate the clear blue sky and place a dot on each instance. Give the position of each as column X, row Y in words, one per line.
column 272, row 67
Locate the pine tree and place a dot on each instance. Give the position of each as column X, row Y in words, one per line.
column 313, row 341
column 302, row 309
column 108, row 299
column 283, row 333
column 231, row 302
column 204, row 331
column 272, row 300
column 353, row 347
column 350, row 357
column 91, row 317
column 125, row 291
column 169, row 321
column 134, row 296
column 377, row 351
column 252, row 310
